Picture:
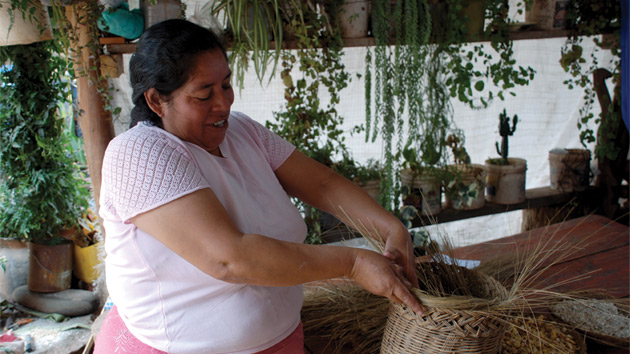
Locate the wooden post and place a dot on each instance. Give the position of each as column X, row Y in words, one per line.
column 95, row 122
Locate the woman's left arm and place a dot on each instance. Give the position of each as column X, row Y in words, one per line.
column 323, row 188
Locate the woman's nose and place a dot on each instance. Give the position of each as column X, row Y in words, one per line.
column 223, row 100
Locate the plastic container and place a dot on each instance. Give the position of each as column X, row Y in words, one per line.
column 505, row 184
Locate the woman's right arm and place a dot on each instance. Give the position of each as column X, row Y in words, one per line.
column 199, row 229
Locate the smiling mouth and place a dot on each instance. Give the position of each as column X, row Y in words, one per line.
column 220, row 123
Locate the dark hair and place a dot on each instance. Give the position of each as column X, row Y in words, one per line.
column 163, row 60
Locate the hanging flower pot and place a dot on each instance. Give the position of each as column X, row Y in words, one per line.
column 50, row 267
column 16, row 29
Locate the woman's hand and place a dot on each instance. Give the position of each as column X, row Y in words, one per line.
column 399, row 249
column 381, row 276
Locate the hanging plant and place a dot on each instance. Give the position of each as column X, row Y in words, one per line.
column 255, row 31
column 587, row 20
column 314, row 128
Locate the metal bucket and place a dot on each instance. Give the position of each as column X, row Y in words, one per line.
column 50, row 267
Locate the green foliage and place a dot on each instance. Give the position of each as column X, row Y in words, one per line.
column 42, row 191
column 251, row 25
column 313, row 129
column 361, row 174
column 592, row 18
column 419, row 63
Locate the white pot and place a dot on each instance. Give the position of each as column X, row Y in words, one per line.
column 505, row 184
column 426, row 194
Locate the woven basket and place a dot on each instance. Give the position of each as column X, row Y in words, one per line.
column 462, row 326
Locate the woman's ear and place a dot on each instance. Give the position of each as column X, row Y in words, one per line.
column 154, row 101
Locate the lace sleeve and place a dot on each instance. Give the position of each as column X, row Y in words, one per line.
column 143, row 169
column 277, row 149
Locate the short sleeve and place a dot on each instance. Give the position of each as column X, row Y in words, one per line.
column 276, row 148
column 145, row 168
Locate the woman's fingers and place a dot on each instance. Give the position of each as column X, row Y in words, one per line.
column 404, row 296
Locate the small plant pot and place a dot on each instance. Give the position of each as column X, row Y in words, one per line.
column 14, row 266
column 86, row 263
column 424, row 193
column 548, row 14
column 505, row 184
column 353, row 18
column 569, row 169
column 49, row 267
column 468, row 192
column 372, row 188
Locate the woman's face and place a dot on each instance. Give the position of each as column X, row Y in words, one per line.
column 198, row 111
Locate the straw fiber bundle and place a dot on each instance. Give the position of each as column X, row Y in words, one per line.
column 346, row 316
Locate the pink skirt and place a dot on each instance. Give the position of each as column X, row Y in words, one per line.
column 114, row 337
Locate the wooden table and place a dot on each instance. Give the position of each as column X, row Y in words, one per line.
column 593, row 249
column 595, row 254
column 596, row 250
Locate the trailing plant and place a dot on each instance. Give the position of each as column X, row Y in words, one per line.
column 419, row 63
column 505, row 131
column 43, row 191
column 313, row 68
column 250, row 27
column 313, row 129
column 479, row 74
column 587, row 21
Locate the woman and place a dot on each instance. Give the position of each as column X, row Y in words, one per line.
column 204, row 247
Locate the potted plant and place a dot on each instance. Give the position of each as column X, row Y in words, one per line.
column 367, row 176
column 44, row 192
column 505, row 182
column 254, row 31
column 464, row 182
column 420, row 184
column 419, row 63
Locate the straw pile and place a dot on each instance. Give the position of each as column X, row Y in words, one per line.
column 347, row 317
column 455, row 297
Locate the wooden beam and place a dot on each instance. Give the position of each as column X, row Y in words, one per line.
column 534, row 198
column 94, row 120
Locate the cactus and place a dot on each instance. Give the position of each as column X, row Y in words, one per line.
column 505, row 131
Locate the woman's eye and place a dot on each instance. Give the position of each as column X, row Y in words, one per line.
column 204, row 98
column 227, row 86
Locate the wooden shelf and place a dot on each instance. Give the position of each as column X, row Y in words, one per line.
column 534, row 198
column 128, row 48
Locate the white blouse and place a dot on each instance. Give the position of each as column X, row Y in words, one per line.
column 165, row 301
